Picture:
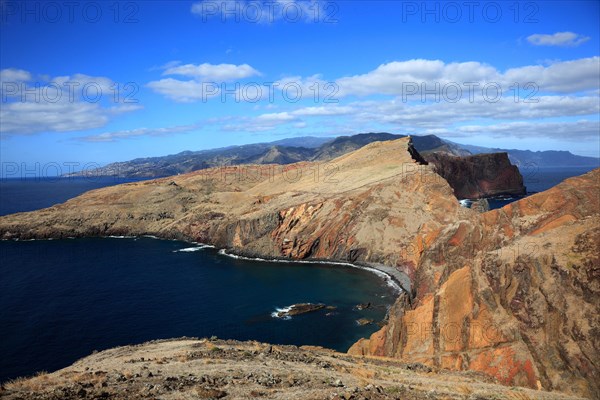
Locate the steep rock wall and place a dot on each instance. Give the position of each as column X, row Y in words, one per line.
column 482, row 175
column 514, row 293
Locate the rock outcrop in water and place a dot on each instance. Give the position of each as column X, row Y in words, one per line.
column 512, row 293
column 298, row 309
column 482, row 175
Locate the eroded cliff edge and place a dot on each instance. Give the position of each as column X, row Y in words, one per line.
column 370, row 205
column 512, row 293
column 478, row 176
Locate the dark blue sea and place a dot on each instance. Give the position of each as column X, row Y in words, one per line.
column 537, row 179
column 18, row 195
column 62, row 299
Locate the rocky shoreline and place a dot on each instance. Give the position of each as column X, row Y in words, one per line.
column 395, row 278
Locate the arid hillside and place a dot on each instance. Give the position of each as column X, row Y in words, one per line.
column 217, row 369
column 370, row 206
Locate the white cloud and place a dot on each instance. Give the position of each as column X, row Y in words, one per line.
column 260, row 123
column 275, row 117
column 323, row 111
column 290, row 89
column 570, row 131
column 560, row 77
column 404, row 77
column 180, row 91
column 272, row 121
column 563, row 39
column 140, row 132
column 14, row 75
column 300, row 125
column 394, row 78
column 562, row 89
column 165, row 66
column 206, row 80
column 60, row 104
column 216, row 72
column 31, row 117
column 409, row 115
column 396, row 114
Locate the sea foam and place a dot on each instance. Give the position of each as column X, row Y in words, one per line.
column 191, row 249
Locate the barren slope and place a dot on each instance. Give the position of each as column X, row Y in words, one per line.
column 364, row 206
column 212, row 369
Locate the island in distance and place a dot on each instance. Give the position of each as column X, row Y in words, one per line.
column 510, row 296
column 287, row 151
column 472, row 176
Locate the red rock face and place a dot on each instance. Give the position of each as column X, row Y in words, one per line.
column 481, row 175
column 514, row 294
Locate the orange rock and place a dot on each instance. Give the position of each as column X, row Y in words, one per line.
column 506, row 366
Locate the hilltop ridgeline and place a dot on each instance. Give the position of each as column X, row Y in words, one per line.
column 292, row 150
column 466, row 177
column 286, row 151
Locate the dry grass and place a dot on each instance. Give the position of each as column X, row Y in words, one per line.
column 518, row 395
column 464, row 389
column 288, row 373
column 34, row 383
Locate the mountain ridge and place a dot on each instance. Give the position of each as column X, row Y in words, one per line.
column 188, row 161
column 311, row 148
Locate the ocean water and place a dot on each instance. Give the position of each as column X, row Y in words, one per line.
column 537, row 179
column 62, row 299
column 18, row 195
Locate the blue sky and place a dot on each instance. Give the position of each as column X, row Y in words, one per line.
column 95, row 82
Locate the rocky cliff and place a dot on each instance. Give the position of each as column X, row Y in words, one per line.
column 366, row 206
column 511, row 293
column 482, row 175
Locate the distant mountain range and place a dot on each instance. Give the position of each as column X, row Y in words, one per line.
column 310, row 148
column 548, row 158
